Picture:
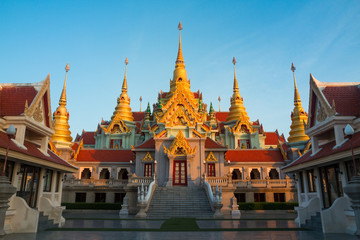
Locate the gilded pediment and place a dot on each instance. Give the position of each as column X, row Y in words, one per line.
column 211, row 158
column 117, row 126
column 243, row 126
column 148, row 158
column 179, row 146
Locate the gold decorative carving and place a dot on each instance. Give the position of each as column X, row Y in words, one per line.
column 197, row 134
column 117, row 126
column 38, row 113
column 160, row 134
column 243, row 126
column 321, row 114
column 148, row 158
column 211, row 158
column 179, row 146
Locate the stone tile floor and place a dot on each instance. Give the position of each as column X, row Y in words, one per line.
column 110, row 220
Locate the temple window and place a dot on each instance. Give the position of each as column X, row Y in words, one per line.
column 86, row 173
column 104, row 174
column 236, row 174
column 255, row 174
column 274, row 174
column 123, row 174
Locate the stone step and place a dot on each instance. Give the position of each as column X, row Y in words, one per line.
column 180, row 202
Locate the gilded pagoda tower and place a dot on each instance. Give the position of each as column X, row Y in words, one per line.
column 298, row 116
column 62, row 137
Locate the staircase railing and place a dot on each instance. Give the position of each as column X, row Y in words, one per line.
column 309, row 209
column 215, row 198
column 145, row 194
column 53, row 212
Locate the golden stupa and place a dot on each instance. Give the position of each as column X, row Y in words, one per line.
column 61, row 117
column 298, row 116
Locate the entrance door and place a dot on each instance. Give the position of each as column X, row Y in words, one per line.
column 180, row 176
column 28, row 186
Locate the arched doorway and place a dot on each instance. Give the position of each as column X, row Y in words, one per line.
column 104, row 174
column 86, row 173
column 255, row 174
column 236, row 174
column 274, row 174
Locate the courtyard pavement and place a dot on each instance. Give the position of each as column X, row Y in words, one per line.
column 80, row 226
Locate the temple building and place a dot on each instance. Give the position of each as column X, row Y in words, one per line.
column 180, row 141
column 327, row 169
column 33, row 166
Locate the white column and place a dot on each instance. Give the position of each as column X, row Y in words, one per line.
column 40, row 186
column 53, row 185
column 339, row 133
column 318, row 186
column 306, row 186
column 343, row 174
column 298, row 186
column 60, row 188
column 314, row 145
column 20, row 134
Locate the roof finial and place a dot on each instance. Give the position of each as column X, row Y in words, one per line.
column 140, row 99
column 219, row 103
column 180, row 58
column 296, row 92
column 236, row 86
column 124, row 86
column 63, row 94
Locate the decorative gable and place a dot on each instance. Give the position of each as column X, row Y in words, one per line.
column 117, row 126
column 40, row 109
column 148, row 158
column 179, row 146
column 211, row 158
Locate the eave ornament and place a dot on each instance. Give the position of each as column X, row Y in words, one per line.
column 211, row 158
column 117, row 126
column 179, row 146
column 148, row 158
column 242, row 126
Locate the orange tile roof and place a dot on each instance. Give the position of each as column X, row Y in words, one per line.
column 209, row 143
column 138, row 116
column 108, row 155
column 271, row 138
column 13, row 98
column 254, row 155
column 88, row 138
column 32, row 150
column 150, row 143
column 327, row 150
column 221, row 116
column 346, row 98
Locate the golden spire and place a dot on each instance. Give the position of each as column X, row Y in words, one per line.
column 123, row 109
column 237, row 110
column 298, row 116
column 180, row 75
column 61, row 118
column 180, row 58
column 236, row 86
column 63, row 94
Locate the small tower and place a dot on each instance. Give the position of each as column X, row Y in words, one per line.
column 123, row 109
column 298, row 116
column 237, row 110
column 147, row 113
column 62, row 136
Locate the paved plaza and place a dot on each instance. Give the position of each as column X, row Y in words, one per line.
column 85, row 225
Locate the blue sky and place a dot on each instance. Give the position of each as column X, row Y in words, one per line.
column 95, row 37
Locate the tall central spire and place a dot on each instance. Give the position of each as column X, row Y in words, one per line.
column 298, row 116
column 180, row 75
column 237, row 110
column 180, row 58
